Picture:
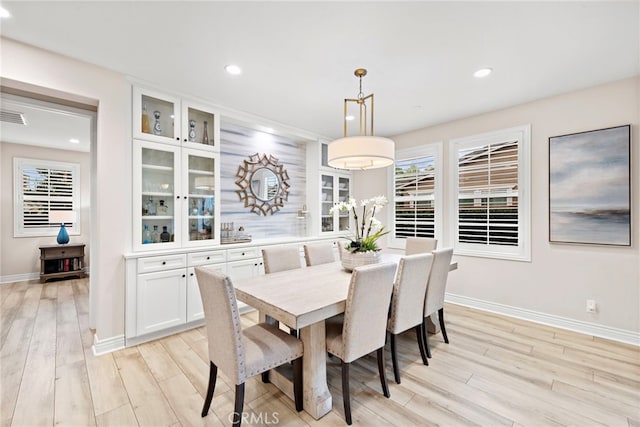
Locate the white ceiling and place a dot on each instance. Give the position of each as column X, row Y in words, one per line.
column 298, row 57
column 47, row 124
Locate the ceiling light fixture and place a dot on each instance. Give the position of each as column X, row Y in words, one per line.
column 233, row 69
column 364, row 151
column 4, row 13
column 74, row 141
column 482, row 72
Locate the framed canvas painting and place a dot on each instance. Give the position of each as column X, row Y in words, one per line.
column 590, row 187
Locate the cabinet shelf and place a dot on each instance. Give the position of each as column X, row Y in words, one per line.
column 157, row 194
column 201, row 172
column 156, row 217
column 157, row 167
column 200, row 216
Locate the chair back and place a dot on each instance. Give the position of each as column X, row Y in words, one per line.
column 281, row 258
column 367, row 309
column 221, row 316
column 409, row 292
column 419, row 245
column 434, row 299
column 320, row 253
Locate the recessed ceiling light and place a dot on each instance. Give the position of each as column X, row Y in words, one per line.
column 482, row 72
column 74, row 141
column 349, row 118
column 4, row 13
column 233, row 69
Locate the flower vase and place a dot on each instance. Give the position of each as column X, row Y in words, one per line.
column 351, row 260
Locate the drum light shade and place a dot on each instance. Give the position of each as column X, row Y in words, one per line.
column 361, row 152
column 364, row 151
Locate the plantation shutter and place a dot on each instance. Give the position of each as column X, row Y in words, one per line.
column 488, row 194
column 414, row 197
column 42, row 187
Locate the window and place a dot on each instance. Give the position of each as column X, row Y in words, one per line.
column 490, row 194
column 43, row 186
column 416, row 185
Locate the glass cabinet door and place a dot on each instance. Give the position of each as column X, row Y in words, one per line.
column 343, row 196
column 199, row 127
column 157, row 197
column 327, row 202
column 200, row 205
column 156, row 116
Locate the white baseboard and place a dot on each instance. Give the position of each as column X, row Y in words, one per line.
column 24, row 277
column 107, row 345
column 614, row 334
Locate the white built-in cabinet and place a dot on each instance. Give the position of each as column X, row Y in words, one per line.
column 176, row 178
column 335, row 187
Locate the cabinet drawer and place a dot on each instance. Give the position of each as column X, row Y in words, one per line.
column 242, row 253
column 62, row 252
column 158, row 263
column 209, row 257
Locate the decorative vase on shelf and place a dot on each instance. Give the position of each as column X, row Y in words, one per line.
column 351, row 260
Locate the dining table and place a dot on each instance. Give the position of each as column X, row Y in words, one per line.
column 302, row 299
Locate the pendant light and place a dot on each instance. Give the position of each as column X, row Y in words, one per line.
column 364, row 151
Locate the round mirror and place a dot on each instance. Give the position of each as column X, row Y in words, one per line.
column 264, row 184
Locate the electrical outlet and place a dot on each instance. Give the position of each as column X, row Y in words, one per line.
column 591, row 306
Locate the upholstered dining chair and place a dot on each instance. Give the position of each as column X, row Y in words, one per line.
column 407, row 304
column 434, row 299
column 280, row 258
column 419, row 245
column 241, row 353
column 362, row 329
column 318, row 253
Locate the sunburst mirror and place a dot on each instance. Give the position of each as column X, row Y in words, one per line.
column 263, row 183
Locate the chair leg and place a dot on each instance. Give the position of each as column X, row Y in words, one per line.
column 383, row 375
column 425, row 338
column 213, row 374
column 394, row 359
column 442, row 328
column 265, row 377
column 297, row 383
column 239, row 404
column 346, row 399
column 423, row 353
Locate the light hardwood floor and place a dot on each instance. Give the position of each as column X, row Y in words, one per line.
column 496, row 371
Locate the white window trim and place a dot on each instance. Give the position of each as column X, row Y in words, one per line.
column 522, row 252
column 18, row 197
column 432, row 149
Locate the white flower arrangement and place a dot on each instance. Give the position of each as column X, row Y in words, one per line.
column 369, row 229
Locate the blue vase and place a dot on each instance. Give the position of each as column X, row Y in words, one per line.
column 63, row 236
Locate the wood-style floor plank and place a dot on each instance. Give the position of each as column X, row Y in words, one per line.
column 496, row 371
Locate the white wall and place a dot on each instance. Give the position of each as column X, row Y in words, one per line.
column 44, row 72
column 20, row 255
column 560, row 278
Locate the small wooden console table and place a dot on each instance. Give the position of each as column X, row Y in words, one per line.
column 61, row 261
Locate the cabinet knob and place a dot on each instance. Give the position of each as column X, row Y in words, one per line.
column 178, row 197
column 185, row 197
column 177, row 138
column 208, row 257
column 62, row 252
column 185, row 140
column 164, row 262
column 191, row 274
column 242, row 253
column 184, row 275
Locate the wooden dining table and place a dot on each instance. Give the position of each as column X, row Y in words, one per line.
column 303, row 299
